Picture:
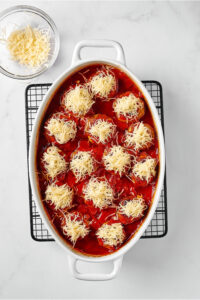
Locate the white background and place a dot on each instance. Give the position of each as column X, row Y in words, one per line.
column 161, row 42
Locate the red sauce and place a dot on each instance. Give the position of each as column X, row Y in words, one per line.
column 89, row 245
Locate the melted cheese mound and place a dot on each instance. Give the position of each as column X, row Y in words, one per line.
column 78, row 100
column 101, row 84
column 133, row 208
column 145, row 169
column 82, row 164
column 102, row 130
column 117, row 159
column 128, row 106
column 99, row 192
column 112, row 235
column 29, row 46
column 62, row 130
column 140, row 137
column 54, row 163
column 61, row 196
column 74, row 228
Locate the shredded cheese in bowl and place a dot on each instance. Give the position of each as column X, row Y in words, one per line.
column 29, row 42
column 29, row 46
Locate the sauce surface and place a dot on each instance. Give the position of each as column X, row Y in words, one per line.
column 122, row 185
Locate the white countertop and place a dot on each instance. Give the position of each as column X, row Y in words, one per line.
column 161, row 42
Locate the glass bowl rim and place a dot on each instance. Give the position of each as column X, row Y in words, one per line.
column 47, row 18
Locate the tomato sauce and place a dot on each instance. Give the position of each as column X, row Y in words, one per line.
column 89, row 245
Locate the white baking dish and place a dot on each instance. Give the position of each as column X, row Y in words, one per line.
column 78, row 63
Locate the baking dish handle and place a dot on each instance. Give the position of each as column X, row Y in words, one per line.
column 120, row 57
column 95, row 276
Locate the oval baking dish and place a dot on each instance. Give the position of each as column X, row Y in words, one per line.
column 77, row 65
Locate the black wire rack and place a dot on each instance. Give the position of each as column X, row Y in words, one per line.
column 33, row 97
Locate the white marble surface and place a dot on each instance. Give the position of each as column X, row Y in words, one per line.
column 162, row 42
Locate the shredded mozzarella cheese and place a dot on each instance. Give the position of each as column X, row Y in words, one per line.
column 112, row 235
column 145, row 169
column 140, row 137
column 78, row 100
column 99, row 192
column 74, row 228
column 61, row 196
column 133, row 208
column 102, row 130
column 82, row 164
column 128, row 106
column 54, row 163
column 101, row 84
column 117, row 159
column 29, row 46
column 62, row 130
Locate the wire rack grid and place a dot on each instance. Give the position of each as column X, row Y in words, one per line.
column 33, row 97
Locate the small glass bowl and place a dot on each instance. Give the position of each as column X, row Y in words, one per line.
column 18, row 17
